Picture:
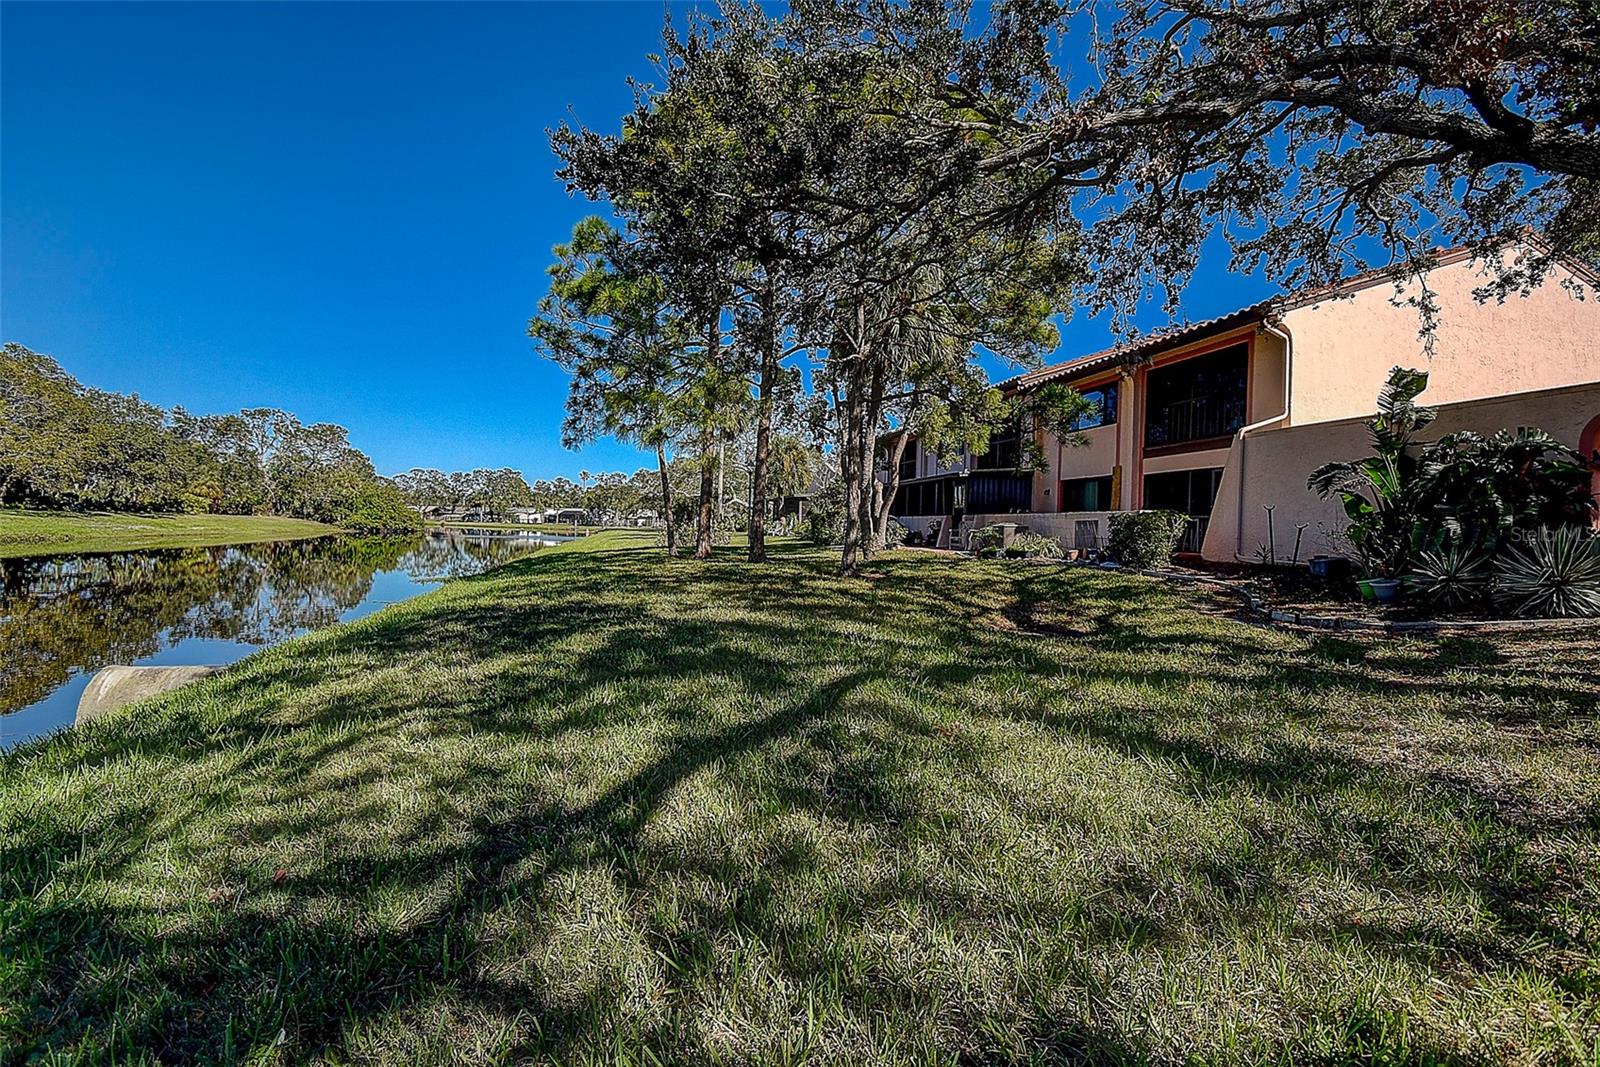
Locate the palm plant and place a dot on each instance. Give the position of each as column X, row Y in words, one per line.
column 1484, row 488
column 1382, row 493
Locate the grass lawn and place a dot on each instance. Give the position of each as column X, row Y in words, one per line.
column 531, row 527
column 597, row 807
column 25, row 532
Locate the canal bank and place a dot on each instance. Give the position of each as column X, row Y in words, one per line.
column 30, row 532
column 63, row 617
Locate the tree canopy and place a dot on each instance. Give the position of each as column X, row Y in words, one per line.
column 63, row 444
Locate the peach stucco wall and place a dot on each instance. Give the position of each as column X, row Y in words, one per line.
column 1092, row 459
column 1344, row 349
column 1107, row 447
column 1271, row 467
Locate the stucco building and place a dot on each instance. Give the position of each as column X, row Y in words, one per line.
column 1225, row 418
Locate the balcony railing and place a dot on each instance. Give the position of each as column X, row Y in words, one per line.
column 1197, row 419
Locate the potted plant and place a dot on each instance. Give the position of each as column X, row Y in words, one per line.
column 1385, row 590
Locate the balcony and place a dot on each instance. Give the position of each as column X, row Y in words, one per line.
column 1197, row 419
column 1196, row 403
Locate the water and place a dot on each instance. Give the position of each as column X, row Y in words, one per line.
column 64, row 617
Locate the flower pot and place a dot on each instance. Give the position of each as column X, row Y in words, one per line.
column 1328, row 568
column 1385, row 590
column 1365, row 585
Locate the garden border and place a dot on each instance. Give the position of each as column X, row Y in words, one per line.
column 1345, row 622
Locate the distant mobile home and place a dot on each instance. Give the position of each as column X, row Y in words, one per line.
column 1225, row 418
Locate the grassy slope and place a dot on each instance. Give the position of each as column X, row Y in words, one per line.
column 34, row 533
column 531, row 527
column 950, row 809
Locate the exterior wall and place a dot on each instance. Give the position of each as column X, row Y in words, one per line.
column 1062, row 525
column 1136, row 464
column 918, row 523
column 1344, row 348
column 1094, row 459
column 1271, row 467
column 1122, row 444
column 1342, row 351
column 1268, row 373
column 1187, row 461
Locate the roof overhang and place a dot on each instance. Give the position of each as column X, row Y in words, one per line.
column 1139, row 351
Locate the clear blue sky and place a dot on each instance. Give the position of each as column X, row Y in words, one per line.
column 342, row 210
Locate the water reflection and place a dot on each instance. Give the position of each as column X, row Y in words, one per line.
column 64, row 617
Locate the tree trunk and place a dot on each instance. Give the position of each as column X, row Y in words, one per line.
column 702, row 524
column 708, row 441
column 897, row 451
column 849, row 464
column 722, row 480
column 666, row 497
column 758, row 465
column 867, row 472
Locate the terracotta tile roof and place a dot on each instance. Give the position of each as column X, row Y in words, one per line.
column 1108, row 358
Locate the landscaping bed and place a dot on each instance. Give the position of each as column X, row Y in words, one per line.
column 1296, row 590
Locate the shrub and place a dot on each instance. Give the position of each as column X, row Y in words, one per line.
column 824, row 521
column 378, row 508
column 985, row 541
column 1407, row 496
column 1143, row 539
column 1452, row 574
column 683, row 533
column 1034, row 546
column 1555, row 574
column 895, row 535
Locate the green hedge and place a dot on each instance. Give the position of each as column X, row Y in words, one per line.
column 1143, row 539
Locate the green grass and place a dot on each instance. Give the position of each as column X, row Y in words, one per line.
column 25, row 532
column 598, row 807
column 532, row 527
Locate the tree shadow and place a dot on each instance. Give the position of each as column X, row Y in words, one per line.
column 593, row 797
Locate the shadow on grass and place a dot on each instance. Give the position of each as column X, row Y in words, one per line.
column 597, row 801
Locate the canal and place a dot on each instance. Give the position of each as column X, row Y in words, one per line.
column 64, row 617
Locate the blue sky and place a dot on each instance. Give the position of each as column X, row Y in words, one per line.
column 342, row 210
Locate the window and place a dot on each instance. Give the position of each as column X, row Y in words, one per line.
column 1197, row 399
column 1005, row 450
column 1189, row 492
column 908, row 461
column 1086, row 494
column 994, row 494
column 1102, row 410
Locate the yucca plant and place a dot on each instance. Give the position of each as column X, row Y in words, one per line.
column 1556, row 574
column 1452, row 573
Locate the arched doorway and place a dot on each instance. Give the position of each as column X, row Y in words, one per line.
column 1589, row 446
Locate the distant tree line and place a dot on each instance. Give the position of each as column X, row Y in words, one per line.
column 493, row 492
column 66, row 445
column 612, row 497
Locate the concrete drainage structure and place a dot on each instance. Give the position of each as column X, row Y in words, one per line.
column 116, row 686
